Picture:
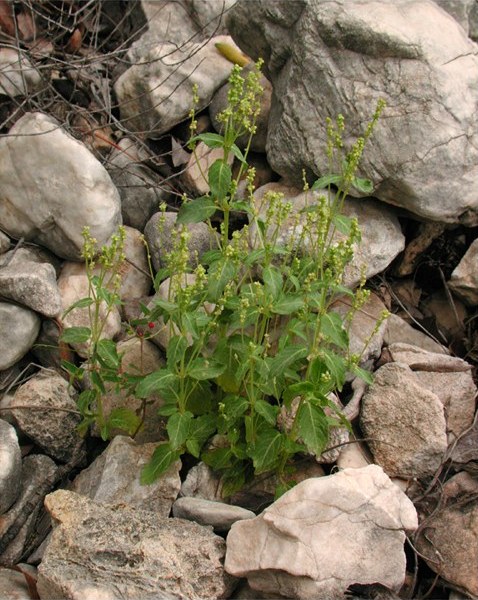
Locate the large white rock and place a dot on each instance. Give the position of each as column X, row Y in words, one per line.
column 325, row 58
column 19, row 328
column 464, row 279
column 51, row 186
column 324, row 535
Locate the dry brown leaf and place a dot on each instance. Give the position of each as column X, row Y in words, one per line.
column 26, row 26
column 7, row 24
column 74, row 43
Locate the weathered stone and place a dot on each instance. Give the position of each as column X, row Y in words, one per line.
column 4, row 242
column 207, row 512
column 195, row 173
column 114, row 478
column 155, row 93
column 13, row 585
column 405, row 423
column 202, row 482
column 460, row 10
column 353, row 456
column 382, row 238
column 141, row 189
column 464, row 279
column 134, row 272
column 464, row 453
column 399, row 331
column 422, row 360
column 128, row 552
column 19, row 328
column 449, row 316
column 10, row 466
column 449, row 538
column 48, row 414
column 326, row 58
column 324, row 535
column 44, row 174
column 18, row 77
column 29, row 282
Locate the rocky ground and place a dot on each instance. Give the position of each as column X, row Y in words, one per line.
column 94, row 105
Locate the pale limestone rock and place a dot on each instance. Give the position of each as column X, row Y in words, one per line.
column 18, row 77
column 324, row 535
column 353, row 456
column 197, row 168
column 207, row 512
column 114, row 478
column 399, row 331
column 405, row 423
column 53, row 430
column 10, row 466
column 128, row 551
column 135, row 276
column 4, row 242
column 13, row 585
column 19, row 328
column 422, row 360
column 464, row 279
column 52, row 187
column 327, row 58
column 460, row 10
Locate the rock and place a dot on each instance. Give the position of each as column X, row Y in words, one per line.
column 10, row 466
column 113, row 478
column 13, row 585
column 48, row 414
column 449, row 537
column 73, row 285
column 422, row 360
column 141, row 189
column 155, row 93
column 44, row 173
column 464, row 279
column 324, row 535
column 448, row 316
column 135, row 276
column 128, row 552
column 207, row 512
column 203, row 483
column 399, row 331
column 160, row 239
column 460, row 10
column 324, row 59
column 405, row 423
column 353, row 456
column 19, row 328
column 4, row 242
column 18, row 77
column 29, row 282
column 199, row 163
column 138, row 357
column 47, row 347
column 382, row 239
column 464, row 452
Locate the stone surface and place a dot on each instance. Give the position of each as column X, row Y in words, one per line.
column 405, row 423
column 13, row 585
column 327, row 58
column 464, row 279
column 18, row 77
column 155, row 93
column 48, row 414
column 128, row 553
column 399, row 331
column 353, row 456
column 324, row 535
column 135, row 276
column 19, row 328
column 382, row 238
column 113, row 478
column 422, row 360
column 141, row 189
column 73, row 285
column 29, row 282
column 4, row 242
column 199, row 163
column 449, row 538
column 42, row 178
column 460, row 10
column 207, row 512
column 10, row 466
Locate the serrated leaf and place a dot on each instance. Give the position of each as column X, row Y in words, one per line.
column 267, row 411
column 325, row 181
column 266, row 451
column 125, row 419
column 178, row 428
column 313, row 427
column 202, row 369
column 163, row 457
column 196, row 211
column 160, row 380
column 76, row 335
column 288, row 304
column 83, row 303
column 108, row 354
column 219, row 178
column 362, row 185
column 272, row 278
column 285, row 358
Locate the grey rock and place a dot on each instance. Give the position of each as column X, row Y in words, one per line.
column 473, row 23
column 405, row 423
column 4, row 242
column 201, row 482
column 18, row 76
column 128, row 553
column 44, row 173
column 19, row 328
column 13, row 585
column 460, row 10
column 195, row 172
column 47, row 349
column 422, row 360
column 10, row 466
column 134, row 272
column 399, row 331
column 324, row 535
column 207, row 512
column 464, row 279
column 141, row 190
column 114, row 478
column 48, row 414
column 29, row 282
column 327, row 58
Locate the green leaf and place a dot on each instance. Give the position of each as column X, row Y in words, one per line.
column 178, row 428
column 202, row 369
column 342, row 223
column 218, row 458
column 332, row 327
column 265, row 453
column 325, row 181
column 108, row 354
column 336, row 366
column 210, row 257
column 85, row 399
column 233, row 479
column 76, row 335
column 176, row 348
column 313, row 427
column 97, row 381
column 125, row 419
column 362, row 185
column 219, row 178
column 362, row 373
column 267, row 411
column 212, row 140
column 167, row 409
column 238, row 154
column 220, row 273
column 73, row 370
column 298, row 389
column 196, row 211
column 163, row 457
column 202, row 428
column 286, row 357
column 272, row 278
column 288, row 304
column 83, row 303
column 234, row 407
column 160, row 380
